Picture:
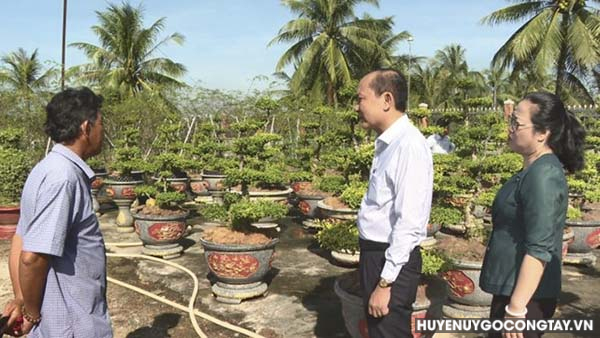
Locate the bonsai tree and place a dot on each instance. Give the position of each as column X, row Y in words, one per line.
column 260, row 159
column 14, row 165
column 246, row 212
column 127, row 156
column 340, row 236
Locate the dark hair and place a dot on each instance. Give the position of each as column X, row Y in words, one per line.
column 389, row 80
column 68, row 110
column 567, row 135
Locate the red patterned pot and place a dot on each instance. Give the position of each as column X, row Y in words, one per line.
column 117, row 190
column 587, row 236
column 177, row 184
column 9, row 217
column 463, row 284
column 199, row 186
column 308, row 204
column 161, row 234
column 239, row 264
column 215, row 181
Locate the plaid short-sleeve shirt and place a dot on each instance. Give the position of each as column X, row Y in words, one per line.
column 57, row 219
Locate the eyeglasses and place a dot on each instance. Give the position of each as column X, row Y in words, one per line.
column 514, row 125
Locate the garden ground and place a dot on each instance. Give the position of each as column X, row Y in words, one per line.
column 300, row 303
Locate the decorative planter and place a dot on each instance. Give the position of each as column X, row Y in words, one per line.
column 308, row 204
column 161, row 234
column 591, row 211
column 179, row 184
column 239, row 269
column 214, row 180
column 122, row 193
column 9, row 217
column 275, row 195
column 587, row 238
column 467, row 300
column 346, row 258
column 353, row 308
column 96, row 185
column 199, row 186
column 568, row 238
column 343, row 214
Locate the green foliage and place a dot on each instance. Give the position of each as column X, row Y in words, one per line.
column 14, row 165
column 485, row 199
column 331, row 183
column 419, row 113
column 430, row 130
column 245, row 212
column 352, row 196
column 338, row 236
column 300, row 176
column 478, row 102
column 170, row 199
column 128, row 156
column 504, row 163
column 14, row 168
column 433, row 262
column 213, row 212
column 592, row 196
column 576, row 185
column 147, row 191
column 446, row 215
column 573, row 213
column 95, row 163
column 12, row 138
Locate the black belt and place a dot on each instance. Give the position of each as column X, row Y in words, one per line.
column 367, row 245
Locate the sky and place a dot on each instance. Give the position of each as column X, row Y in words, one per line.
column 226, row 44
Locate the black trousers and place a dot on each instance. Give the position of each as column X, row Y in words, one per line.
column 397, row 322
column 536, row 309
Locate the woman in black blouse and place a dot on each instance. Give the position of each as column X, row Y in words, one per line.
column 522, row 265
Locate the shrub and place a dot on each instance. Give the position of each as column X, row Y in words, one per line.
column 352, row 196
column 445, row 215
column 338, row 236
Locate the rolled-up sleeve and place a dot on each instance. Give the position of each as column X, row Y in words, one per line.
column 541, row 198
column 47, row 230
column 413, row 188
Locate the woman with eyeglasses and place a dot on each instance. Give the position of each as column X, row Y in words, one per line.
column 522, row 265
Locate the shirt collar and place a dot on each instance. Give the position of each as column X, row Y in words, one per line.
column 394, row 130
column 70, row 155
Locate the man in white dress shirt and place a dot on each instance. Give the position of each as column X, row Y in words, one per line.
column 441, row 144
column 393, row 216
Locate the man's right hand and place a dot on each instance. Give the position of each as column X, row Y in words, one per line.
column 13, row 311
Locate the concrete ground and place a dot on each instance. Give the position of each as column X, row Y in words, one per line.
column 300, row 302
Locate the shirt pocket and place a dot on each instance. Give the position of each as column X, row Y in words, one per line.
column 378, row 193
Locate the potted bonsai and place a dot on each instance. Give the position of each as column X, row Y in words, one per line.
column 341, row 238
column 465, row 255
column 171, row 158
column 127, row 169
column 346, row 205
column 239, row 256
column 161, row 221
column 14, row 168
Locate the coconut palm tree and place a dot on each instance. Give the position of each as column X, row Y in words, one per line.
column 429, row 84
column 497, row 81
column 125, row 59
column 24, row 72
column 561, row 33
column 326, row 36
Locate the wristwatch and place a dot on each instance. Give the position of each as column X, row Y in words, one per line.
column 383, row 283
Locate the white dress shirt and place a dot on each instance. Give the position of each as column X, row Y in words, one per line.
column 440, row 144
column 396, row 208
